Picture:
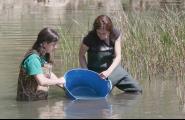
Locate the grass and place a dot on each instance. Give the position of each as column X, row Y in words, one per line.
column 153, row 44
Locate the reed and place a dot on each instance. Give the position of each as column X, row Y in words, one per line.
column 153, row 43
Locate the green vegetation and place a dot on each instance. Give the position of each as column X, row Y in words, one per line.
column 153, row 43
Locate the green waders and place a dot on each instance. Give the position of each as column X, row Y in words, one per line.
column 27, row 87
column 100, row 61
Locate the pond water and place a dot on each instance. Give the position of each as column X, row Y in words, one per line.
column 20, row 23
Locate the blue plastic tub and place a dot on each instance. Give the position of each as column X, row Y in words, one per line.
column 86, row 84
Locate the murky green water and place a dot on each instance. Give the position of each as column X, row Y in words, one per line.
column 19, row 26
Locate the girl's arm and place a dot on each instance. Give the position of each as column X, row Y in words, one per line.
column 82, row 58
column 116, row 60
column 44, row 81
column 53, row 76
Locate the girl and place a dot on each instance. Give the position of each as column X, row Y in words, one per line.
column 35, row 75
column 103, row 47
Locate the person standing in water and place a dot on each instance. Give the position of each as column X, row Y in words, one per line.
column 35, row 74
column 103, row 47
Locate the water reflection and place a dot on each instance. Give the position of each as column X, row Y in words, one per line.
column 113, row 107
column 116, row 106
column 40, row 109
column 88, row 109
column 31, row 109
column 55, row 110
column 125, row 96
column 123, row 103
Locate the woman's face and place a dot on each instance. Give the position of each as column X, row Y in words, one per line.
column 102, row 34
column 50, row 47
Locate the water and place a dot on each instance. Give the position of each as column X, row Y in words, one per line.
column 19, row 25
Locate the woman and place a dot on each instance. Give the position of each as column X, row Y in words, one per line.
column 35, row 75
column 103, row 47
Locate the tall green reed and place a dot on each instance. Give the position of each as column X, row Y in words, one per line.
column 154, row 45
column 153, row 42
column 71, row 36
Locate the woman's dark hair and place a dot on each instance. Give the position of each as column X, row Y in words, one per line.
column 104, row 22
column 45, row 35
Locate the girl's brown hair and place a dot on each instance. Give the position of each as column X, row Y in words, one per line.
column 104, row 22
column 45, row 35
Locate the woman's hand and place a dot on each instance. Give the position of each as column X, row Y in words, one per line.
column 62, row 81
column 105, row 74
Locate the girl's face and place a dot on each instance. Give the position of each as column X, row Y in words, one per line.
column 102, row 34
column 50, row 47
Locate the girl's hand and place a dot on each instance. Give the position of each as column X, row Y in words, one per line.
column 104, row 74
column 61, row 82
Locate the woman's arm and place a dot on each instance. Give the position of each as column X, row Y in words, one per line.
column 82, row 58
column 116, row 60
column 44, row 81
column 53, row 76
